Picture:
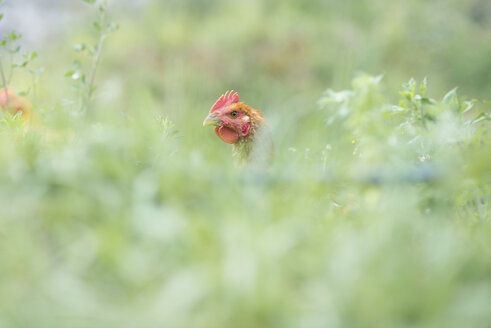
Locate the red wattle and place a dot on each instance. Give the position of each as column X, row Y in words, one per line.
column 227, row 134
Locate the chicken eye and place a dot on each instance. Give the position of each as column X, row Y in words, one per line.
column 234, row 114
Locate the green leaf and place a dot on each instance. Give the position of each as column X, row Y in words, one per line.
column 79, row 47
column 428, row 101
column 1, row 17
column 77, row 64
column 90, row 1
column 423, row 87
column 97, row 26
column 397, row 109
column 467, row 105
column 112, row 27
column 482, row 117
column 450, row 96
column 38, row 71
column 14, row 36
column 331, row 96
column 409, row 89
column 75, row 75
column 91, row 50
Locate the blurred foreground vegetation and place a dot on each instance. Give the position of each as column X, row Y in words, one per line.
column 118, row 209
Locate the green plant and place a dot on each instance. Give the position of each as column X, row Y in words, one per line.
column 375, row 213
column 85, row 77
column 10, row 48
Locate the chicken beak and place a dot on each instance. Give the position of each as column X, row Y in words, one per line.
column 211, row 119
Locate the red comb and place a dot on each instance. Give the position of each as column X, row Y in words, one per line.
column 225, row 100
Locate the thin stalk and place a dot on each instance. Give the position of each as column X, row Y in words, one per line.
column 11, row 73
column 96, row 60
column 422, row 115
column 4, row 82
column 93, row 71
column 480, row 209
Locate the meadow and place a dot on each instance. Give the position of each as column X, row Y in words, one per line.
column 118, row 209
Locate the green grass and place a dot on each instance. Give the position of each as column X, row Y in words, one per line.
column 117, row 222
column 375, row 213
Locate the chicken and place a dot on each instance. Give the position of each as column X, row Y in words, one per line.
column 15, row 103
column 242, row 126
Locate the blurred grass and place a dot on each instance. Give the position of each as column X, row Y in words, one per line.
column 375, row 213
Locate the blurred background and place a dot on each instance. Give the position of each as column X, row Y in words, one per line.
column 279, row 55
column 373, row 214
column 296, row 46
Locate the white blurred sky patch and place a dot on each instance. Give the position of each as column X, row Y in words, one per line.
column 42, row 22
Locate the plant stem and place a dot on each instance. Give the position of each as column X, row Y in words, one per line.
column 4, row 82
column 94, row 68
column 11, row 73
column 422, row 115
